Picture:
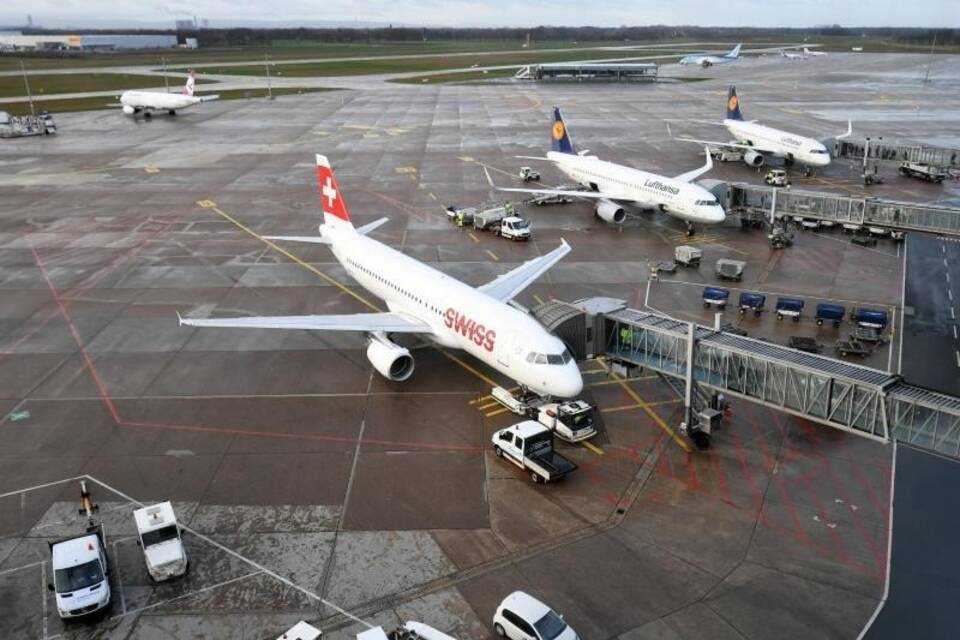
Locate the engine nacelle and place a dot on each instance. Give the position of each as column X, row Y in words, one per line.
column 611, row 212
column 753, row 158
column 127, row 109
column 391, row 360
column 706, row 63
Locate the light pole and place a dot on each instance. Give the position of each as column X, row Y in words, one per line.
column 26, row 83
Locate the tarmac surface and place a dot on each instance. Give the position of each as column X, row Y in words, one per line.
column 312, row 488
column 930, row 318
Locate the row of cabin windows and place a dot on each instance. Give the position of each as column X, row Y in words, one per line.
column 396, row 287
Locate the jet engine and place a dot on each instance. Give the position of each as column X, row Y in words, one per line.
column 127, row 109
column 706, row 63
column 390, row 359
column 611, row 212
column 753, row 158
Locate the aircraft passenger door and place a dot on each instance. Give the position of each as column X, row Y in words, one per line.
column 505, row 345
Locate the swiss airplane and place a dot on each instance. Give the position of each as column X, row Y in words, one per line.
column 710, row 59
column 134, row 102
column 759, row 142
column 615, row 186
column 422, row 300
column 814, row 54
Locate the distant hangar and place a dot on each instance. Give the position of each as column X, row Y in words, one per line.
column 590, row 71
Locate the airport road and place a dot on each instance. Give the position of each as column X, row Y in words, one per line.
column 931, row 346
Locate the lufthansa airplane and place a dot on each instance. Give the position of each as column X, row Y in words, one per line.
column 422, row 300
column 615, row 187
column 759, row 142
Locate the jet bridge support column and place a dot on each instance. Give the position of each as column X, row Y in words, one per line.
column 688, row 413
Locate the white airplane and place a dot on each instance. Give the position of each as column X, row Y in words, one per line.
column 710, row 59
column 615, row 186
column 422, row 300
column 792, row 55
column 759, row 142
column 815, row 54
column 134, row 102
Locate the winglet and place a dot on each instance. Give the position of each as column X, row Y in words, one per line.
column 179, row 319
column 849, row 130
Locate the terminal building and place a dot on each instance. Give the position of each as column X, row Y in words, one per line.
column 88, row 42
column 589, row 71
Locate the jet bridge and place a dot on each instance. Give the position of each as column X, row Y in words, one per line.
column 753, row 201
column 877, row 149
column 861, row 400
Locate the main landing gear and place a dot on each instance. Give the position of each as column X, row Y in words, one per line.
column 690, row 229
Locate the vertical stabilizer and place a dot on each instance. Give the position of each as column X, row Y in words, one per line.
column 733, row 105
column 334, row 207
column 559, row 136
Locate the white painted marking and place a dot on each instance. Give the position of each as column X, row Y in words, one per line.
column 950, row 294
column 21, row 567
column 952, row 315
column 189, row 593
column 43, row 596
column 946, row 274
column 116, row 567
column 955, row 332
column 886, row 583
column 957, row 353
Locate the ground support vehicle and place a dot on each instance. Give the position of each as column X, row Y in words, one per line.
column 727, row 269
column 529, row 445
column 852, row 347
column 715, row 296
column 789, row 308
column 686, row 255
column 159, row 537
column 801, row 343
column 833, row 313
column 753, row 302
column 922, row 171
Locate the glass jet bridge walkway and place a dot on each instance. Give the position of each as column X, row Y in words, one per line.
column 861, row 400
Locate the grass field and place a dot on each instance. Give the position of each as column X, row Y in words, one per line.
column 93, row 104
column 430, row 63
column 282, row 50
column 40, row 85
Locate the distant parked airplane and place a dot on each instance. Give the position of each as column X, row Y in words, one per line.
column 134, row 102
column 758, row 141
column 792, row 55
column 815, row 54
column 710, row 59
column 616, row 187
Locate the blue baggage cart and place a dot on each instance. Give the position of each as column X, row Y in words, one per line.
column 827, row 312
column 871, row 318
column 752, row 302
column 789, row 308
column 715, row 296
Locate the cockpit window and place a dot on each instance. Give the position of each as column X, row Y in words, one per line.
column 549, row 358
column 819, row 151
column 707, row 203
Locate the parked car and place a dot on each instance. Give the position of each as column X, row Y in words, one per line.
column 522, row 617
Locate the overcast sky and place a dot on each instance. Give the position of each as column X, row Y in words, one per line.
column 764, row 13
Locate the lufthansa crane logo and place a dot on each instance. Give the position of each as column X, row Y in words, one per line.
column 732, row 103
column 558, row 130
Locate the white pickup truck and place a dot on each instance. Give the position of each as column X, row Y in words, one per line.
column 529, row 445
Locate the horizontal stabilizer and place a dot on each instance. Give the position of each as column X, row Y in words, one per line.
column 533, row 158
column 215, row 96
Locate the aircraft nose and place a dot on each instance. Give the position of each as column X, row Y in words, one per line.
column 570, row 383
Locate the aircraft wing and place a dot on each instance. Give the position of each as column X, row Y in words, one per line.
column 507, row 286
column 730, row 145
column 364, row 322
column 693, row 174
column 215, row 96
column 590, row 195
